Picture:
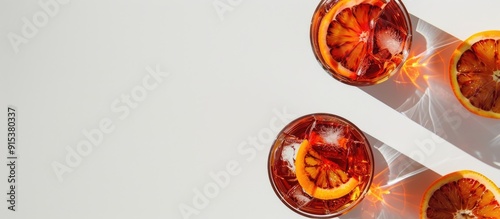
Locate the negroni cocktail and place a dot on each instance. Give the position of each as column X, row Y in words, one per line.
column 321, row 165
column 361, row 42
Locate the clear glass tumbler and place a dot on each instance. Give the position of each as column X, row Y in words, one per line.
column 361, row 42
column 321, row 165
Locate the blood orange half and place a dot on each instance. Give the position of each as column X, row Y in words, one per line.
column 461, row 195
column 475, row 73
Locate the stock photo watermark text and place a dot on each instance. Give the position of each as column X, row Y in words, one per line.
column 31, row 26
column 121, row 107
column 12, row 158
column 225, row 6
column 247, row 150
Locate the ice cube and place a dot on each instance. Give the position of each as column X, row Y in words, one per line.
column 372, row 68
column 327, row 134
column 390, row 32
column 394, row 16
column 284, row 172
column 330, row 142
column 288, row 155
column 332, row 135
column 297, row 194
column 388, row 40
column 290, row 147
column 357, row 160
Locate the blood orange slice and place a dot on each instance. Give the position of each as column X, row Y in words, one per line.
column 463, row 194
column 475, row 73
column 319, row 177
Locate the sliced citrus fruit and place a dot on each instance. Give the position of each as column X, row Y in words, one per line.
column 475, row 73
column 461, row 195
column 356, row 43
column 319, row 177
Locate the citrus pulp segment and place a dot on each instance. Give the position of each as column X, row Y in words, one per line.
column 475, row 73
column 462, row 194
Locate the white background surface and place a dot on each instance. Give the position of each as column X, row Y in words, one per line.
column 231, row 75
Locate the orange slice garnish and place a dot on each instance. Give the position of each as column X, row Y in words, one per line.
column 319, row 177
column 461, row 194
column 475, row 73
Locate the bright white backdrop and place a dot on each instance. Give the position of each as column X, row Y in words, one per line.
column 179, row 99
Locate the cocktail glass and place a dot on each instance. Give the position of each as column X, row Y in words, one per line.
column 361, row 42
column 321, row 165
